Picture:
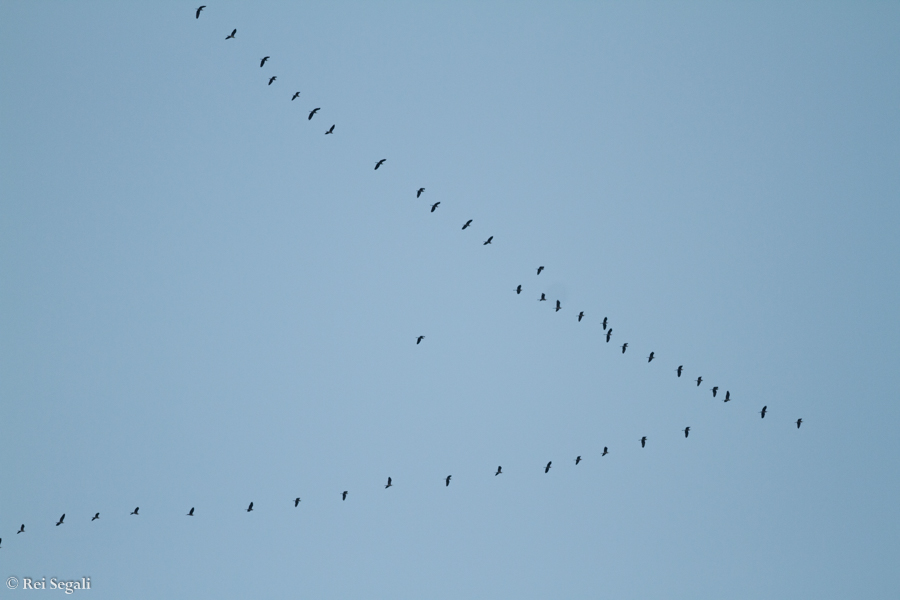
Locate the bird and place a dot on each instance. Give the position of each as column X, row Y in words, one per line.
column 577, row 459
column 419, row 339
column 1, row 540
column 499, row 471
column 469, row 222
column 488, row 241
column 250, row 508
column 519, row 289
column 605, row 451
column 547, row 468
column 330, row 130
column 344, row 495
column 296, row 502
column 388, row 483
column 96, row 516
column 715, row 390
column 699, row 379
column 447, row 481
column 543, row 297
column 539, row 270
column 419, row 192
column 61, row 519
column 21, row 529
column 580, row 316
column 312, row 112
column 379, row 163
column 263, row 60
column 608, row 335
column 191, row 512
column 678, row 370
column 727, row 396
column 136, row 509
column 294, row 97
column 604, row 323
column 233, row 31
column 558, row 306
column 199, row 10
column 650, row 358
column 434, row 206
column 271, row 79
column 762, row 413
column 798, row 427
column 686, row 431
column 643, row 441
column 624, row 347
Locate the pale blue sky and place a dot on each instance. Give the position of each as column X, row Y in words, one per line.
column 204, row 301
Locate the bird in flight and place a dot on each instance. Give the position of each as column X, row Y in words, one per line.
column 379, row 163
column 447, row 481
column 330, row 130
column 686, row 431
column 547, row 468
column 678, row 370
column 295, row 96
column 699, row 380
column 727, row 396
column 605, row 451
column 519, row 289
column 580, row 316
column 296, row 502
column 488, row 241
column 608, row 335
column 762, row 413
column 577, row 459
column 650, row 358
column 604, row 323
column 799, row 421
column 434, row 206
column 419, row 339
column 344, row 495
column 312, row 112
column 21, row 529
column 539, row 270
column 499, row 471
column 715, row 390
column 624, row 347
column 389, row 484
column 469, row 222
column 233, row 31
column 96, row 516
column 271, row 79
column 643, row 441
column 191, row 512
column 61, row 519
column 136, row 509
column 558, row 306
column 543, row 297
column 419, row 192
column 250, row 508
column 200, row 10
column 263, row 60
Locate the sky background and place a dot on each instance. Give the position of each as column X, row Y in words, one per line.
column 204, row 301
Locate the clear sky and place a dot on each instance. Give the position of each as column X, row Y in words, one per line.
column 205, row 301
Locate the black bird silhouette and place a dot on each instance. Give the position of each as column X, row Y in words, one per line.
column 233, row 31
column 798, row 427
column 543, row 297
column 136, row 509
column 499, row 471
column 447, row 481
column 624, row 347
column 250, row 508
column 547, row 468
column 379, row 163
column 643, row 441
column 191, row 512
column 650, row 358
column 678, row 370
column 558, row 306
column 199, row 10
column 686, row 431
column 762, row 413
column 271, row 79
column 519, row 289
column 388, row 483
column 96, row 516
column 21, row 529
column 539, row 270
column 1, row 542
column 580, row 316
column 419, row 339
column 344, row 495
column 577, row 459
column 605, row 451
column 604, row 323
column 330, row 130
column 61, row 519
column 715, row 390
column 699, row 380
column 608, row 335
column 419, row 192
column 469, row 222
column 727, row 396
column 263, row 60
column 312, row 112
column 294, row 97
column 488, row 241
column 434, row 206
column 296, row 502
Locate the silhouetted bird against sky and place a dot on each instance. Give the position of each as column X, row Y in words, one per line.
column 624, row 347
column 419, row 192
column 558, row 306
column 296, row 502
column 61, row 519
column 191, row 512
column 389, row 484
column 199, row 10
column 608, row 335
column 96, row 516
column 1, row 542
column 136, row 509
column 650, row 358
column 21, row 529
column 643, row 441
column 250, row 508
column 539, row 270
column 727, row 396
column 271, row 79
column 447, row 481
column 499, row 471
column 699, row 380
column 605, row 451
column 419, row 340
column 519, row 289
column 344, row 495
column 686, row 431
column 547, row 468
column 762, row 413
column 488, row 241
column 295, row 96
column 715, row 390
column 233, row 32
column 577, row 459
column 469, row 222
column 580, row 316
column 379, row 163
column 263, row 60
column 330, row 130
column 543, row 297
column 434, row 206
column 312, row 112
column 799, row 421
column 678, row 370
column 605, row 320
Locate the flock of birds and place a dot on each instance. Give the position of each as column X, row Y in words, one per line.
column 419, row 339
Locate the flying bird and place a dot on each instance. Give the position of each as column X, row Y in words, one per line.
column 296, row 502
column 686, row 431
column 96, row 516
column 558, row 306
column 608, row 335
column 263, row 60
column 762, row 413
column 798, row 427
column 379, row 163
column 643, row 441
column 469, row 222
column 61, row 519
column 295, row 96
column 519, row 289
column 199, row 10
column 604, row 323
column 419, row 339
column 21, row 529
column 344, row 495
column 447, row 481
column 624, row 347
column 715, row 390
column 419, row 193
column 547, row 468
column 136, row 509
column 580, row 316
column 699, row 380
column 330, row 130
column 434, row 206
column 727, row 396
column 250, row 508
column 499, row 471
column 539, row 270
column 650, row 358
column 577, row 459
column 488, row 241
column 389, row 484
column 605, row 451
column 678, row 370
column 233, row 31
column 271, row 79
column 312, row 112
column 191, row 512
column 543, row 297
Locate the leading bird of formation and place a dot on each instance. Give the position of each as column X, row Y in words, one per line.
column 643, row 440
